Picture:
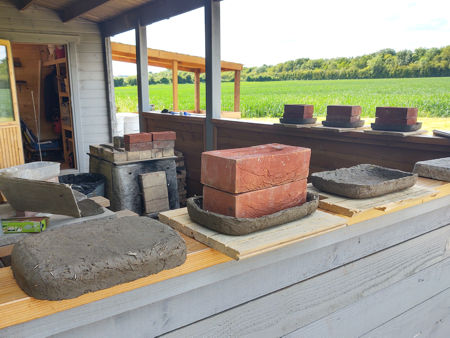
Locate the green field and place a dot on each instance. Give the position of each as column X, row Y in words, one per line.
column 266, row 99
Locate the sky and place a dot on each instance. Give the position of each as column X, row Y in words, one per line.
column 257, row 32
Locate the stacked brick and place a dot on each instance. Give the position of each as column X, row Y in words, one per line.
column 343, row 117
column 255, row 181
column 298, row 114
column 136, row 147
column 396, row 119
column 181, row 178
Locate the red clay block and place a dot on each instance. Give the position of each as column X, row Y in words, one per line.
column 138, row 146
column 396, row 112
column 255, row 203
column 164, row 136
column 137, row 138
column 163, row 144
column 343, row 118
column 253, row 168
column 395, row 121
column 343, row 110
column 298, row 111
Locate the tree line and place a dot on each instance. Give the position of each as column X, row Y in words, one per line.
column 386, row 63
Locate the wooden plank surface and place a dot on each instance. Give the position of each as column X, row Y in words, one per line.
column 239, row 247
column 17, row 307
column 359, row 210
column 39, row 196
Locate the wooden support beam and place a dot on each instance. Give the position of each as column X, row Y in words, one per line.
column 149, row 13
column 213, row 73
column 197, row 91
column 142, row 72
column 22, row 4
column 109, row 80
column 237, row 90
column 79, row 8
column 175, row 84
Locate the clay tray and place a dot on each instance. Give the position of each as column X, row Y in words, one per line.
column 363, row 181
column 302, row 121
column 404, row 128
column 338, row 124
column 242, row 226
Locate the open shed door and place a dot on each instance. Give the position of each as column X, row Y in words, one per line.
column 11, row 149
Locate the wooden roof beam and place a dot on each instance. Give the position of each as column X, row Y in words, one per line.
column 147, row 14
column 22, row 4
column 79, row 8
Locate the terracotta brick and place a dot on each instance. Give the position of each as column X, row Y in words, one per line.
column 298, row 111
column 137, row 138
column 253, row 168
column 396, row 121
column 255, row 203
column 343, row 110
column 163, row 144
column 138, row 146
column 396, row 112
column 338, row 118
column 164, row 136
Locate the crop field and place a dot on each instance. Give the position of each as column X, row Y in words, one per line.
column 266, row 99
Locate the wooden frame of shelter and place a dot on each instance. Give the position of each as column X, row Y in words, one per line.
column 175, row 62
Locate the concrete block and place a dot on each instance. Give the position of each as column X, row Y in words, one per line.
column 255, row 203
column 438, row 169
column 163, row 144
column 133, row 155
column 167, row 152
column 157, row 153
column 145, row 154
column 68, row 262
column 254, row 168
column 164, row 136
column 396, row 112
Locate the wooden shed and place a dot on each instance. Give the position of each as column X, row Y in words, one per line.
column 375, row 270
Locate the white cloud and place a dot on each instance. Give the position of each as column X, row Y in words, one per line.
column 256, row 32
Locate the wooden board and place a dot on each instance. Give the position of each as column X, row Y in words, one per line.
column 396, row 133
column 39, row 196
column 239, row 247
column 359, row 210
column 339, row 130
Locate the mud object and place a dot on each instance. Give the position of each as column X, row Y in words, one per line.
column 363, row 181
column 68, row 262
column 299, row 121
column 438, row 169
column 338, row 124
column 242, row 226
column 400, row 127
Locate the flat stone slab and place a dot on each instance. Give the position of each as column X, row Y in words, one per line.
column 438, row 169
column 68, row 262
column 242, row 226
column 363, row 181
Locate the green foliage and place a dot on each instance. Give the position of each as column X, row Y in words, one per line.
column 267, row 99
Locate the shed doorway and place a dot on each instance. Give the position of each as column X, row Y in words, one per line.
column 44, row 101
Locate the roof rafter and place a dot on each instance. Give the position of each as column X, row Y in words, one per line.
column 79, row 8
column 22, row 4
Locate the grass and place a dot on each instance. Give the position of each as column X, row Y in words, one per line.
column 266, row 99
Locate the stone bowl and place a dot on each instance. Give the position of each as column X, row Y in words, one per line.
column 242, row 226
column 363, row 181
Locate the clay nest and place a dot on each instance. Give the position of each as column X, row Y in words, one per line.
column 242, row 226
column 363, row 181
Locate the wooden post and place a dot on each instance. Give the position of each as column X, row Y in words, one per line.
column 175, row 84
column 109, row 79
column 142, row 72
column 197, row 91
column 237, row 90
column 213, row 68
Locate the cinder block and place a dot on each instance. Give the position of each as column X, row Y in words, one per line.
column 395, row 121
column 167, row 152
column 137, row 138
column 298, row 111
column 344, row 110
column 163, row 144
column 164, row 136
column 396, row 112
column 138, row 146
column 253, row 168
column 255, row 203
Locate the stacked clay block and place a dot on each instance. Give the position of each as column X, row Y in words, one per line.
column 298, row 113
column 137, row 142
column 254, row 181
column 343, row 117
column 395, row 118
